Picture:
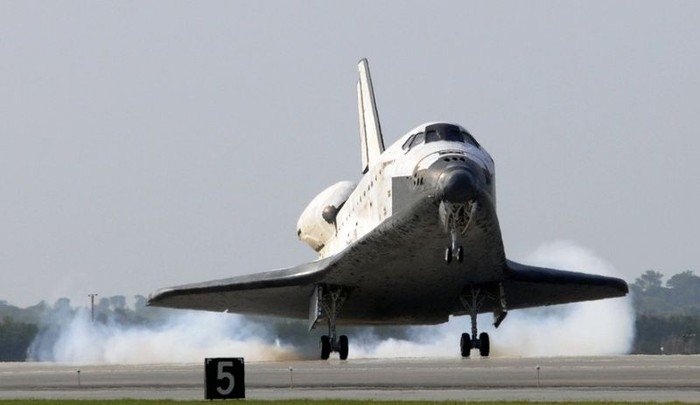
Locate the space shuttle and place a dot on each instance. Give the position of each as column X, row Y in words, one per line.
column 414, row 241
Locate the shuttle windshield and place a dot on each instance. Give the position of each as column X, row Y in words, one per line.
column 441, row 132
column 449, row 133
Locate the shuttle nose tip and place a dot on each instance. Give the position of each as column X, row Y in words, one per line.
column 457, row 185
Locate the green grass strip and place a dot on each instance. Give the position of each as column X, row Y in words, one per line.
column 302, row 402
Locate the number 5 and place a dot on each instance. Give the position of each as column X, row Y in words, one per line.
column 221, row 375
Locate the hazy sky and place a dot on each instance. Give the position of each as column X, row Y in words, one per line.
column 147, row 144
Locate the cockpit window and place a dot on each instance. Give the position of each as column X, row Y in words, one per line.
column 442, row 135
column 440, row 132
column 449, row 133
column 407, row 144
column 414, row 140
column 468, row 138
column 418, row 139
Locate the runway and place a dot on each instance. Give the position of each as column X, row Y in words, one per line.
column 622, row 378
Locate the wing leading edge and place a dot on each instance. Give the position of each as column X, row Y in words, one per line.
column 283, row 292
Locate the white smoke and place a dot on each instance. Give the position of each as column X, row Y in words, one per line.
column 590, row 328
column 604, row 327
column 184, row 338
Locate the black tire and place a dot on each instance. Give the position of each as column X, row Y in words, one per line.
column 344, row 346
column 484, row 344
column 465, row 345
column 325, row 347
column 460, row 254
column 448, row 255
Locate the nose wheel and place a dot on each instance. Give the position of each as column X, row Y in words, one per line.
column 456, row 219
column 457, row 254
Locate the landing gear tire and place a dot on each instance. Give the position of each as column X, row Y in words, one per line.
column 344, row 345
column 484, row 344
column 448, row 255
column 465, row 345
column 460, row 254
column 325, row 347
column 472, row 301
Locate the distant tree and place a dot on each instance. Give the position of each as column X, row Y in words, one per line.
column 118, row 302
column 683, row 280
column 685, row 292
column 649, row 280
column 32, row 314
column 676, row 334
column 62, row 304
column 103, row 305
column 669, row 316
column 144, row 314
column 139, row 302
column 15, row 338
column 60, row 311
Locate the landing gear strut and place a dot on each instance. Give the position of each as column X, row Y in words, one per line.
column 473, row 301
column 332, row 300
column 456, row 219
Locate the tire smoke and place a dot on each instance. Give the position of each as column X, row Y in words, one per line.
column 187, row 337
column 603, row 327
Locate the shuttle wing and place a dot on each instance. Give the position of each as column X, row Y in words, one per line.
column 280, row 292
column 528, row 286
column 287, row 292
column 390, row 284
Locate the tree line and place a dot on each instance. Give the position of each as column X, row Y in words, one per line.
column 667, row 314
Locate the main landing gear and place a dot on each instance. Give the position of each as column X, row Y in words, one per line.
column 456, row 219
column 473, row 301
column 331, row 302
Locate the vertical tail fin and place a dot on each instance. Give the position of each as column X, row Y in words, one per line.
column 370, row 131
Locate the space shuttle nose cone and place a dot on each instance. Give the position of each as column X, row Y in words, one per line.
column 457, row 185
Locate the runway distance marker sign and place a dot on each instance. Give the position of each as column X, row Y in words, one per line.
column 224, row 378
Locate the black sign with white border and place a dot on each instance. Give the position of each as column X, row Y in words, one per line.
column 224, row 378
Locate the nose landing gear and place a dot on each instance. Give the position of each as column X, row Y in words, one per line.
column 456, row 219
column 454, row 250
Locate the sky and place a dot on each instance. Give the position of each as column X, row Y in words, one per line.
column 148, row 144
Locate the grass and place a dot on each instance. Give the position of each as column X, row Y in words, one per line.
column 299, row 402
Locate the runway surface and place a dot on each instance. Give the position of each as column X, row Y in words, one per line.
column 623, row 378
